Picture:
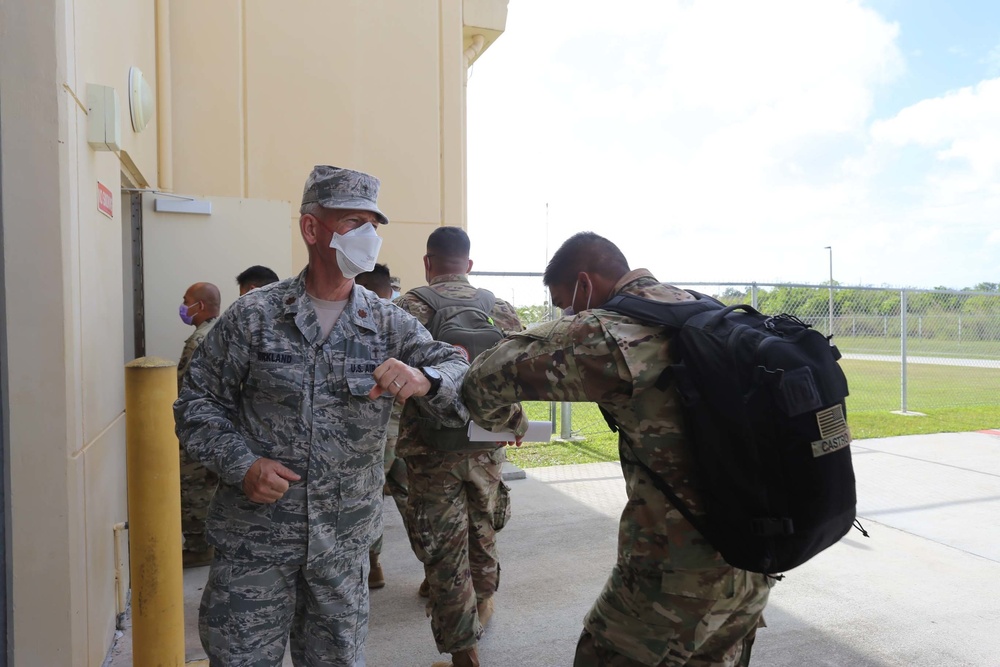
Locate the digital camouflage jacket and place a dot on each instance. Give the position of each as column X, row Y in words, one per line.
column 264, row 384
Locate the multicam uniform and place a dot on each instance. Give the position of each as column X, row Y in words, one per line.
column 452, row 499
column 266, row 383
column 671, row 599
column 197, row 482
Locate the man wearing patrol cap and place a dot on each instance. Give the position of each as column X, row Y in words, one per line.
column 287, row 400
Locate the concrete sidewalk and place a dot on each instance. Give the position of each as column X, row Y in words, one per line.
column 923, row 590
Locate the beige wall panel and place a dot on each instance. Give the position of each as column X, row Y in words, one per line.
column 100, row 284
column 34, row 108
column 403, row 248
column 104, row 496
column 207, row 96
column 299, row 255
column 111, row 36
column 181, row 249
column 453, row 73
column 355, row 84
column 77, row 513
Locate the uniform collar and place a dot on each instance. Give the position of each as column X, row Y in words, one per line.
column 632, row 276
column 359, row 310
column 450, row 278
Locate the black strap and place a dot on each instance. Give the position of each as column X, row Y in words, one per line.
column 662, row 486
column 670, row 314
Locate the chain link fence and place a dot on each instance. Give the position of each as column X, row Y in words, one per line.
column 905, row 351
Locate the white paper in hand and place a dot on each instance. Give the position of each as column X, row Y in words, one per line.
column 537, row 432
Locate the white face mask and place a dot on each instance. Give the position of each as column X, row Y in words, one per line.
column 357, row 250
column 570, row 311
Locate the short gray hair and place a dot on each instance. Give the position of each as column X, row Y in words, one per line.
column 311, row 208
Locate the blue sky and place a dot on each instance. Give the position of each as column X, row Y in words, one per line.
column 731, row 141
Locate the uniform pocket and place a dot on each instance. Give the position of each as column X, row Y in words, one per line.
column 717, row 583
column 501, row 509
column 274, row 389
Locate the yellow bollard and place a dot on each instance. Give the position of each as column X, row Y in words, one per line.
column 154, row 507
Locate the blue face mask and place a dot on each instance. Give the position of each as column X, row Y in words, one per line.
column 185, row 313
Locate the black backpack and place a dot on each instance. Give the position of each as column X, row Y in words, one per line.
column 763, row 405
column 466, row 324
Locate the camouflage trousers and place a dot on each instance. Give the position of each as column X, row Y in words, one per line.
column 198, row 485
column 450, row 518
column 249, row 610
column 395, row 481
column 695, row 618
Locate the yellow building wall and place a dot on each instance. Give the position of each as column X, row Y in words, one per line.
column 265, row 90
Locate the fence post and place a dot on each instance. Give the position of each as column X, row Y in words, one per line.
column 902, row 350
column 553, row 316
column 960, row 329
column 154, row 510
column 753, row 295
column 566, row 430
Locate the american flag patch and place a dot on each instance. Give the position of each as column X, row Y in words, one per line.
column 833, row 431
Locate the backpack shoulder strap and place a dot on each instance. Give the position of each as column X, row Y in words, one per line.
column 429, row 295
column 483, row 300
column 661, row 485
column 670, row 314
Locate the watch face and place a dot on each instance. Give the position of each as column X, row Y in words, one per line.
column 432, row 373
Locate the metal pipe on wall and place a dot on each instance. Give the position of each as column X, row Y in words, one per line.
column 164, row 103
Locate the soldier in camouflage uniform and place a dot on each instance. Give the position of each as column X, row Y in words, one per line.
column 453, row 494
column 287, row 400
column 377, row 280
column 671, row 599
column 200, row 308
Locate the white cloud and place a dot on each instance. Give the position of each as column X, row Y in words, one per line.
column 963, row 126
column 719, row 140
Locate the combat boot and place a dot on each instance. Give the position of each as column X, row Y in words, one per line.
column 468, row 658
column 376, row 579
column 485, row 611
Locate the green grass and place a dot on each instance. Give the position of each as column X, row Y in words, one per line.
column 919, row 347
column 953, row 398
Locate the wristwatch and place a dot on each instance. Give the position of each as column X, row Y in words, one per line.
column 433, row 377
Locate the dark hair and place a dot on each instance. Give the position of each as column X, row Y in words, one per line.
column 449, row 243
column 257, row 276
column 377, row 280
column 586, row 252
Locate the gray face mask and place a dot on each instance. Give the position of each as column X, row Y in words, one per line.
column 357, row 250
column 571, row 311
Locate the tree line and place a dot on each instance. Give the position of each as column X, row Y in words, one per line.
column 941, row 313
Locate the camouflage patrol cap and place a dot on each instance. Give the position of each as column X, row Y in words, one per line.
column 395, row 283
column 336, row 187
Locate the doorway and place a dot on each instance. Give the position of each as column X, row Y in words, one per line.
column 132, row 272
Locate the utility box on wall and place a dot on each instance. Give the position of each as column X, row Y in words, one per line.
column 103, row 118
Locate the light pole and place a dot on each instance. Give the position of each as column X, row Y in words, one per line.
column 830, row 248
